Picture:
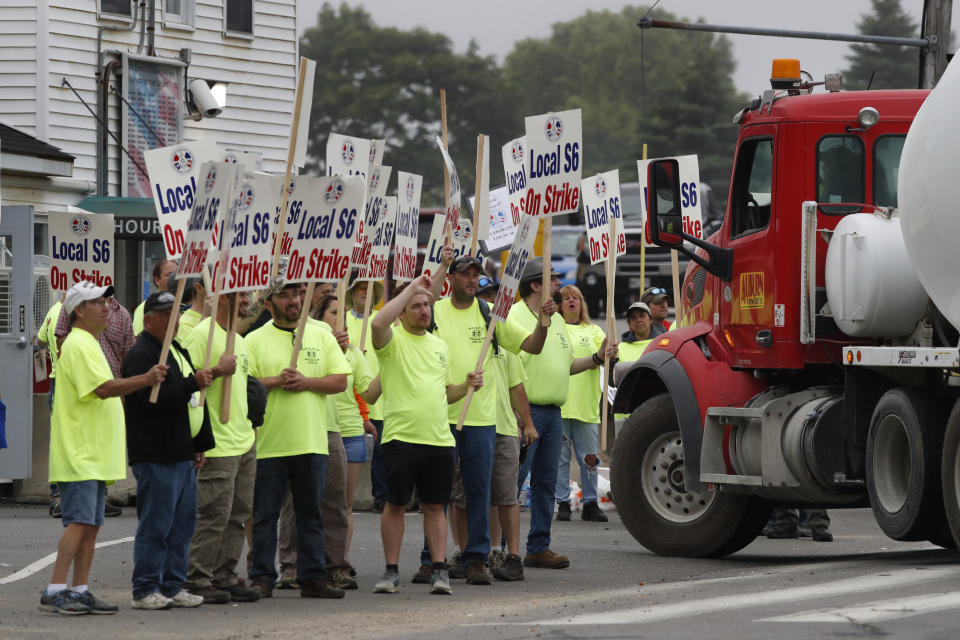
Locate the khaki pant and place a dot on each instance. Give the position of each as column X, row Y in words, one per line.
column 334, row 510
column 224, row 504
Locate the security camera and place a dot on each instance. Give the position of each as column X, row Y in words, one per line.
column 204, row 102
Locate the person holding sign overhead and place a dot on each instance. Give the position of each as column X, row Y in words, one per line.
column 225, row 482
column 292, row 444
column 548, row 377
column 418, row 448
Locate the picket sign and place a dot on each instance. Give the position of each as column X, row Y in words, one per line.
column 348, row 156
column 453, row 192
column 174, row 172
column 459, row 240
column 519, row 253
column 409, row 186
column 304, row 76
column 610, row 328
column 229, row 350
column 80, row 248
column 383, row 216
column 502, row 225
column 481, row 211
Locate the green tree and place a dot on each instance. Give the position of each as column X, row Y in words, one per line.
column 891, row 67
column 383, row 82
column 672, row 90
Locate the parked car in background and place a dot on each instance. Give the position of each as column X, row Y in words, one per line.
column 658, row 270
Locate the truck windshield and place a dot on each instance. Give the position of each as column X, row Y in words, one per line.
column 840, row 172
column 886, row 169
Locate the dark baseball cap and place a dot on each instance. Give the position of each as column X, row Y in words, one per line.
column 534, row 269
column 464, row 262
column 487, row 283
column 159, row 301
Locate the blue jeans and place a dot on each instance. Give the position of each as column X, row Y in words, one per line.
column 475, row 448
column 306, row 475
column 582, row 437
column 378, row 474
column 167, row 515
column 543, row 457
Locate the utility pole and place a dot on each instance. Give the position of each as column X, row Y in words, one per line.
column 935, row 28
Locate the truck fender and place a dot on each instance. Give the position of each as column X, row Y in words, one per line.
column 655, row 372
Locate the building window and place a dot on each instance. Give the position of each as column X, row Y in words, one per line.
column 178, row 14
column 238, row 17
column 115, row 9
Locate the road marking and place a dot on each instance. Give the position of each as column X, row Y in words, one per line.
column 687, row 608
column 876, row 611
column 47, row 560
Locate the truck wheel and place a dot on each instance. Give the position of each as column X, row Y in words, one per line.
column 903, row 464
column 647, row 480
column 951, row 472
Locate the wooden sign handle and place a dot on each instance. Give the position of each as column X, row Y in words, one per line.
column 341, row 303
column 304, row 314
column 168, row 336
column 367, row 306
column 476, row 195
column 228, row 380
column 483, row 356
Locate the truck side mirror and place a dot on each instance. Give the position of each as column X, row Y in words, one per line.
column 663, row 203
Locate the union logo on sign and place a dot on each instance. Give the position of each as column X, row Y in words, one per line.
column 231, row 158
column 374, row 179
column 553, row 128
column 291, row 187
column 411, row 187
column 246, row 195
column 181, row 160
column 516, row 152
column 80, row 225
column 211, row 179
column 600, row 186
column 348, row 152
column 334, row 192
column 373, row 152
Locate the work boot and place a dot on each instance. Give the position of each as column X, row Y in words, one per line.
column 820, row 533
column 511, row 569
column 320, row 588
column 563, row 512
column 497, row 558
column 261, row 585
column 239, row 592
column 341, row 579
column 546, row 559
column 211, row 595
column 592, row 513
column 477, row 573
column 423, row 575
column 111, row 510
column 288, row 578
column 783, row 530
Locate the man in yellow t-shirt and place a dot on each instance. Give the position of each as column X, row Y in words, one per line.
column 548, row 377
column 87, row 445
column 194, row 294
column 292, row 444
column 162, row 270
column 418, row 448
column 225, row 482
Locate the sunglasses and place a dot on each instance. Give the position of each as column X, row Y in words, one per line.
column 484, row 281
column 656, row 291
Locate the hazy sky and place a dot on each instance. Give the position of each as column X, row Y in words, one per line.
column 497, row 24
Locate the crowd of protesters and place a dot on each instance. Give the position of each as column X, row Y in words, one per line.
column 231, row 439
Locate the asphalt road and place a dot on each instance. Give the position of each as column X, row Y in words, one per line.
column 860, row 585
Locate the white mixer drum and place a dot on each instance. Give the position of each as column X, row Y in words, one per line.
column 872, row 287
column 929, row 194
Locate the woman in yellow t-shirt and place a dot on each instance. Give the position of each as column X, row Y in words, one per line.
column 580, row 414
column 352, row 425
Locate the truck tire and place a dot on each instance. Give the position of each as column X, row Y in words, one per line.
column 646, row 477
column 950, row 472
column 904, row 448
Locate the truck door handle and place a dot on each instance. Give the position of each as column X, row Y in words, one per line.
column 765, row 338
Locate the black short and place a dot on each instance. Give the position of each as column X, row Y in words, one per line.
column 428, row 468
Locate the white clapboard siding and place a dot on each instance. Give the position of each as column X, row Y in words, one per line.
column 18, row 64
column 261, row 73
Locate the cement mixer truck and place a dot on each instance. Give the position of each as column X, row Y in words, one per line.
column 817, row 364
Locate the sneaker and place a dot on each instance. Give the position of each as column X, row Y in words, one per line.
column 546, row 559
column 511, row 569
column 423, row 575
column 239, row 592
column 342, row 579
column 111, row 510
column 496, row 559
column 477, row 573
column 288, row 578
column 389, row 582
column 261, row 585
column 155, row 601
column 440, row 583
column 783, row 531
column 64, row 602
column 211, row 595
column 98, row 606
column 592, row 513
column 320, row 588
column 563, row 512
column 820, row 533
column 186, row 600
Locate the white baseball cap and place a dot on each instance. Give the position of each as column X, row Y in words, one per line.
column 82, row 292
